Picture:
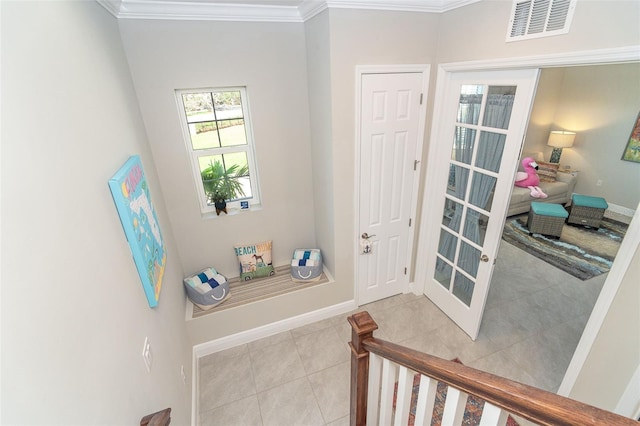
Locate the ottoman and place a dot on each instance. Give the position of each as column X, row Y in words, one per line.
column 586, row 210
column 546, row 218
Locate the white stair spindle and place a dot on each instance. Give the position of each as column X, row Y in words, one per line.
column 493, row 416
column 403, row 399
column 426, row 400
column 386, row 392
column 373, row 397
column 454, row 407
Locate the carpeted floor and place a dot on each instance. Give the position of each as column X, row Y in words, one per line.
column 581, row 251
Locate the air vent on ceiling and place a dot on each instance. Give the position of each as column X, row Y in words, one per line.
column 539, row 18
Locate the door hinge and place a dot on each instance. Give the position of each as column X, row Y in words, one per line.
column 415, row 164
column 421, row 98
column 409, row 222
column 405, row 271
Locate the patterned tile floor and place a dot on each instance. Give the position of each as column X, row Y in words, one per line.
column 533, row 321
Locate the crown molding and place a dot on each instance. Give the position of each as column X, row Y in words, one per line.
column 253, row 12
column 205, row 11
column 424, row 6
column 112, row 6
column 454, row 4
column 309, row 9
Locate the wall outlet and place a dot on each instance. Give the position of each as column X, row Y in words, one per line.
column 146, row 354
column 599, row 182
column 183, row 375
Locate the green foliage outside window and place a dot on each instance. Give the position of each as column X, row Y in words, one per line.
column 223, row 184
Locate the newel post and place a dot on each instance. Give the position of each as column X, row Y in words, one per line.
column 362, row 327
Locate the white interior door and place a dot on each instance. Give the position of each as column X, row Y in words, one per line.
column 477, row 140
column 391, row 125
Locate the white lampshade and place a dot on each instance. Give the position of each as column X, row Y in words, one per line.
column 561, row 139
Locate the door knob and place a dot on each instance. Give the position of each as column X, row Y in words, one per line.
column 366, row 245
column 484, row 258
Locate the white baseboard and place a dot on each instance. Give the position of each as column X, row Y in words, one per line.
column 247, row 336
column 614, row 211
column 267, row 330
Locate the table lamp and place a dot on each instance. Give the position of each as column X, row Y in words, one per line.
column 559, row 139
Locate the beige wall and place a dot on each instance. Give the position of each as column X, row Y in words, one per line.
column 479, row 31
column 270, row 60
column 600, row 103
column 542, row 114
column 361, row 37
column 615, row 354
column 315, row 71
column 317, row 37
column 72, row 341
column 300, row 78
column 74, row 314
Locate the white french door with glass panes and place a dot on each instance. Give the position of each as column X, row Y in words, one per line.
column 476, row 143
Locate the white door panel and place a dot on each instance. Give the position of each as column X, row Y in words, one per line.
column 391, row 125
column 478, row 136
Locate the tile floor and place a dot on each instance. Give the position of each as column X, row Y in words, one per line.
column 533, row 321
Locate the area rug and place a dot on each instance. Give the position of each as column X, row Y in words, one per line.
column 581, row 251
column 472, row 410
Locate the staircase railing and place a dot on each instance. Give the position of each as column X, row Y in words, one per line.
column 159, row 418
column 382, row 383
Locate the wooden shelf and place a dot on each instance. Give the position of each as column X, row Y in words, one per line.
column 244, row 292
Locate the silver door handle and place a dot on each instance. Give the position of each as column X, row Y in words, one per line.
column 484, row 258
column 366, row 236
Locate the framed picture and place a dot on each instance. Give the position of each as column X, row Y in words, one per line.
column 632, row 151
column 131, row 195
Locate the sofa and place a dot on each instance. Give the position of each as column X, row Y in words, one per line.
column 559, row 191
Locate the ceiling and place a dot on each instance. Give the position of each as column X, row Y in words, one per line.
column 262, row 10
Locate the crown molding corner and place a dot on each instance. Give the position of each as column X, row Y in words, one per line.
column 455, row 4
column 112, row 6
column 309, row 9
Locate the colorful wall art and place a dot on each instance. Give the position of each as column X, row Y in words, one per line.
column 632, row 150
column 133, row 200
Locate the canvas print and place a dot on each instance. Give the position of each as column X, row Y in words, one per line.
column 133, row 201
column 632, row 151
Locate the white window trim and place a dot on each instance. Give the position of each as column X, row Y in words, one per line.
column 232, row 206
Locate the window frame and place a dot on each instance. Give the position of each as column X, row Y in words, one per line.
column 196, row 154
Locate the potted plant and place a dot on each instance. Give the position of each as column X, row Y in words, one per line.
column 219, row 199
column 222, row 185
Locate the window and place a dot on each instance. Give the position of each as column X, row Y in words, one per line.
column 218, row 135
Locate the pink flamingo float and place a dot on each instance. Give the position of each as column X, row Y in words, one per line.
column 529, row 178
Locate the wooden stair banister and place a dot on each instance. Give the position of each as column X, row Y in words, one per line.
column 362, row 327
column 536, row 405
column 159, row 418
